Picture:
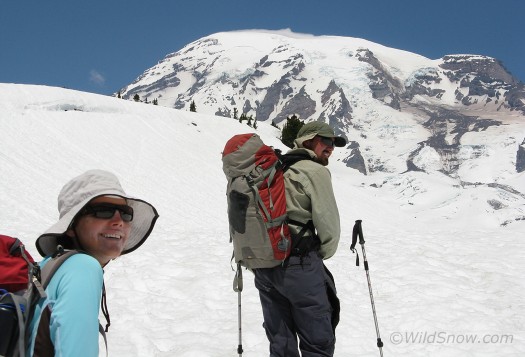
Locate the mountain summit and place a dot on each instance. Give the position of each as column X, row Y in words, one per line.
column 420, row 109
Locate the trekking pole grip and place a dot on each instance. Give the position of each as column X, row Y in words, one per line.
column 359, row 231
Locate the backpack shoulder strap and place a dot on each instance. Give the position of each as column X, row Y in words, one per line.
column 287, row 160
column 52, row 266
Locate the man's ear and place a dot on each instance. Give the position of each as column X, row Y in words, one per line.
column 308, row 144
column 71, row 233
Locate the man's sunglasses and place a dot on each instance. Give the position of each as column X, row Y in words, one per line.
column 107, row 211
column 327, row 141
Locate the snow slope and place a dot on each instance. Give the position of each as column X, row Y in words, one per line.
column 442, row 267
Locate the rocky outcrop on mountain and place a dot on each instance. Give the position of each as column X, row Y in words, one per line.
column 355, row 160
column 520, row 157
column 515, row 97
column 483, row 78
column 299, row 104
column 411, row 165
column 422, row 82
column 446, row 129
column 384, row 86
column 337, row 110
column 458, row 66
column 281, row 92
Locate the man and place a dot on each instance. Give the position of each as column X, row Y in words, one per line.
column 99, row 219
column 298, row 297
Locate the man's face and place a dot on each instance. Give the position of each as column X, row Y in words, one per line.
column 103, row 238
column 322, row 147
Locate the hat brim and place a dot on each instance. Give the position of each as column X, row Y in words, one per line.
column 144, row 218
column 339, row 141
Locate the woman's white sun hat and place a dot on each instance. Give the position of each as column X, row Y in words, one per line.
column 82, row 189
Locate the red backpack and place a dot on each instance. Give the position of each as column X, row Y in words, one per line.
column 257, row 201
column 22, row 285
column 13, row 264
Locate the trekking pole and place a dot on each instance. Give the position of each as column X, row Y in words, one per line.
column 358, row 232
column 237, row 287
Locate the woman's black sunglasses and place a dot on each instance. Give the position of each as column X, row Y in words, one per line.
column 107, row 211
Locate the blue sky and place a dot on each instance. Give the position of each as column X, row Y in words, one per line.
column 102, row 45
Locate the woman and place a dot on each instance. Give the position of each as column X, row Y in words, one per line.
column 99, row 219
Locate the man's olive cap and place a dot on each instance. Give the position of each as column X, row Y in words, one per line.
column 313, row 128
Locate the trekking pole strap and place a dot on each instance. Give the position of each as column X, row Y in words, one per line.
column 238, row 281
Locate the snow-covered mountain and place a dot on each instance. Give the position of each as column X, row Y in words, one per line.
column 274, row 74
column 445, row 269
column 361, row 88
column 400, row 111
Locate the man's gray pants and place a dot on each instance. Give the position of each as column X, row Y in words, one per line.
column 295, row 300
